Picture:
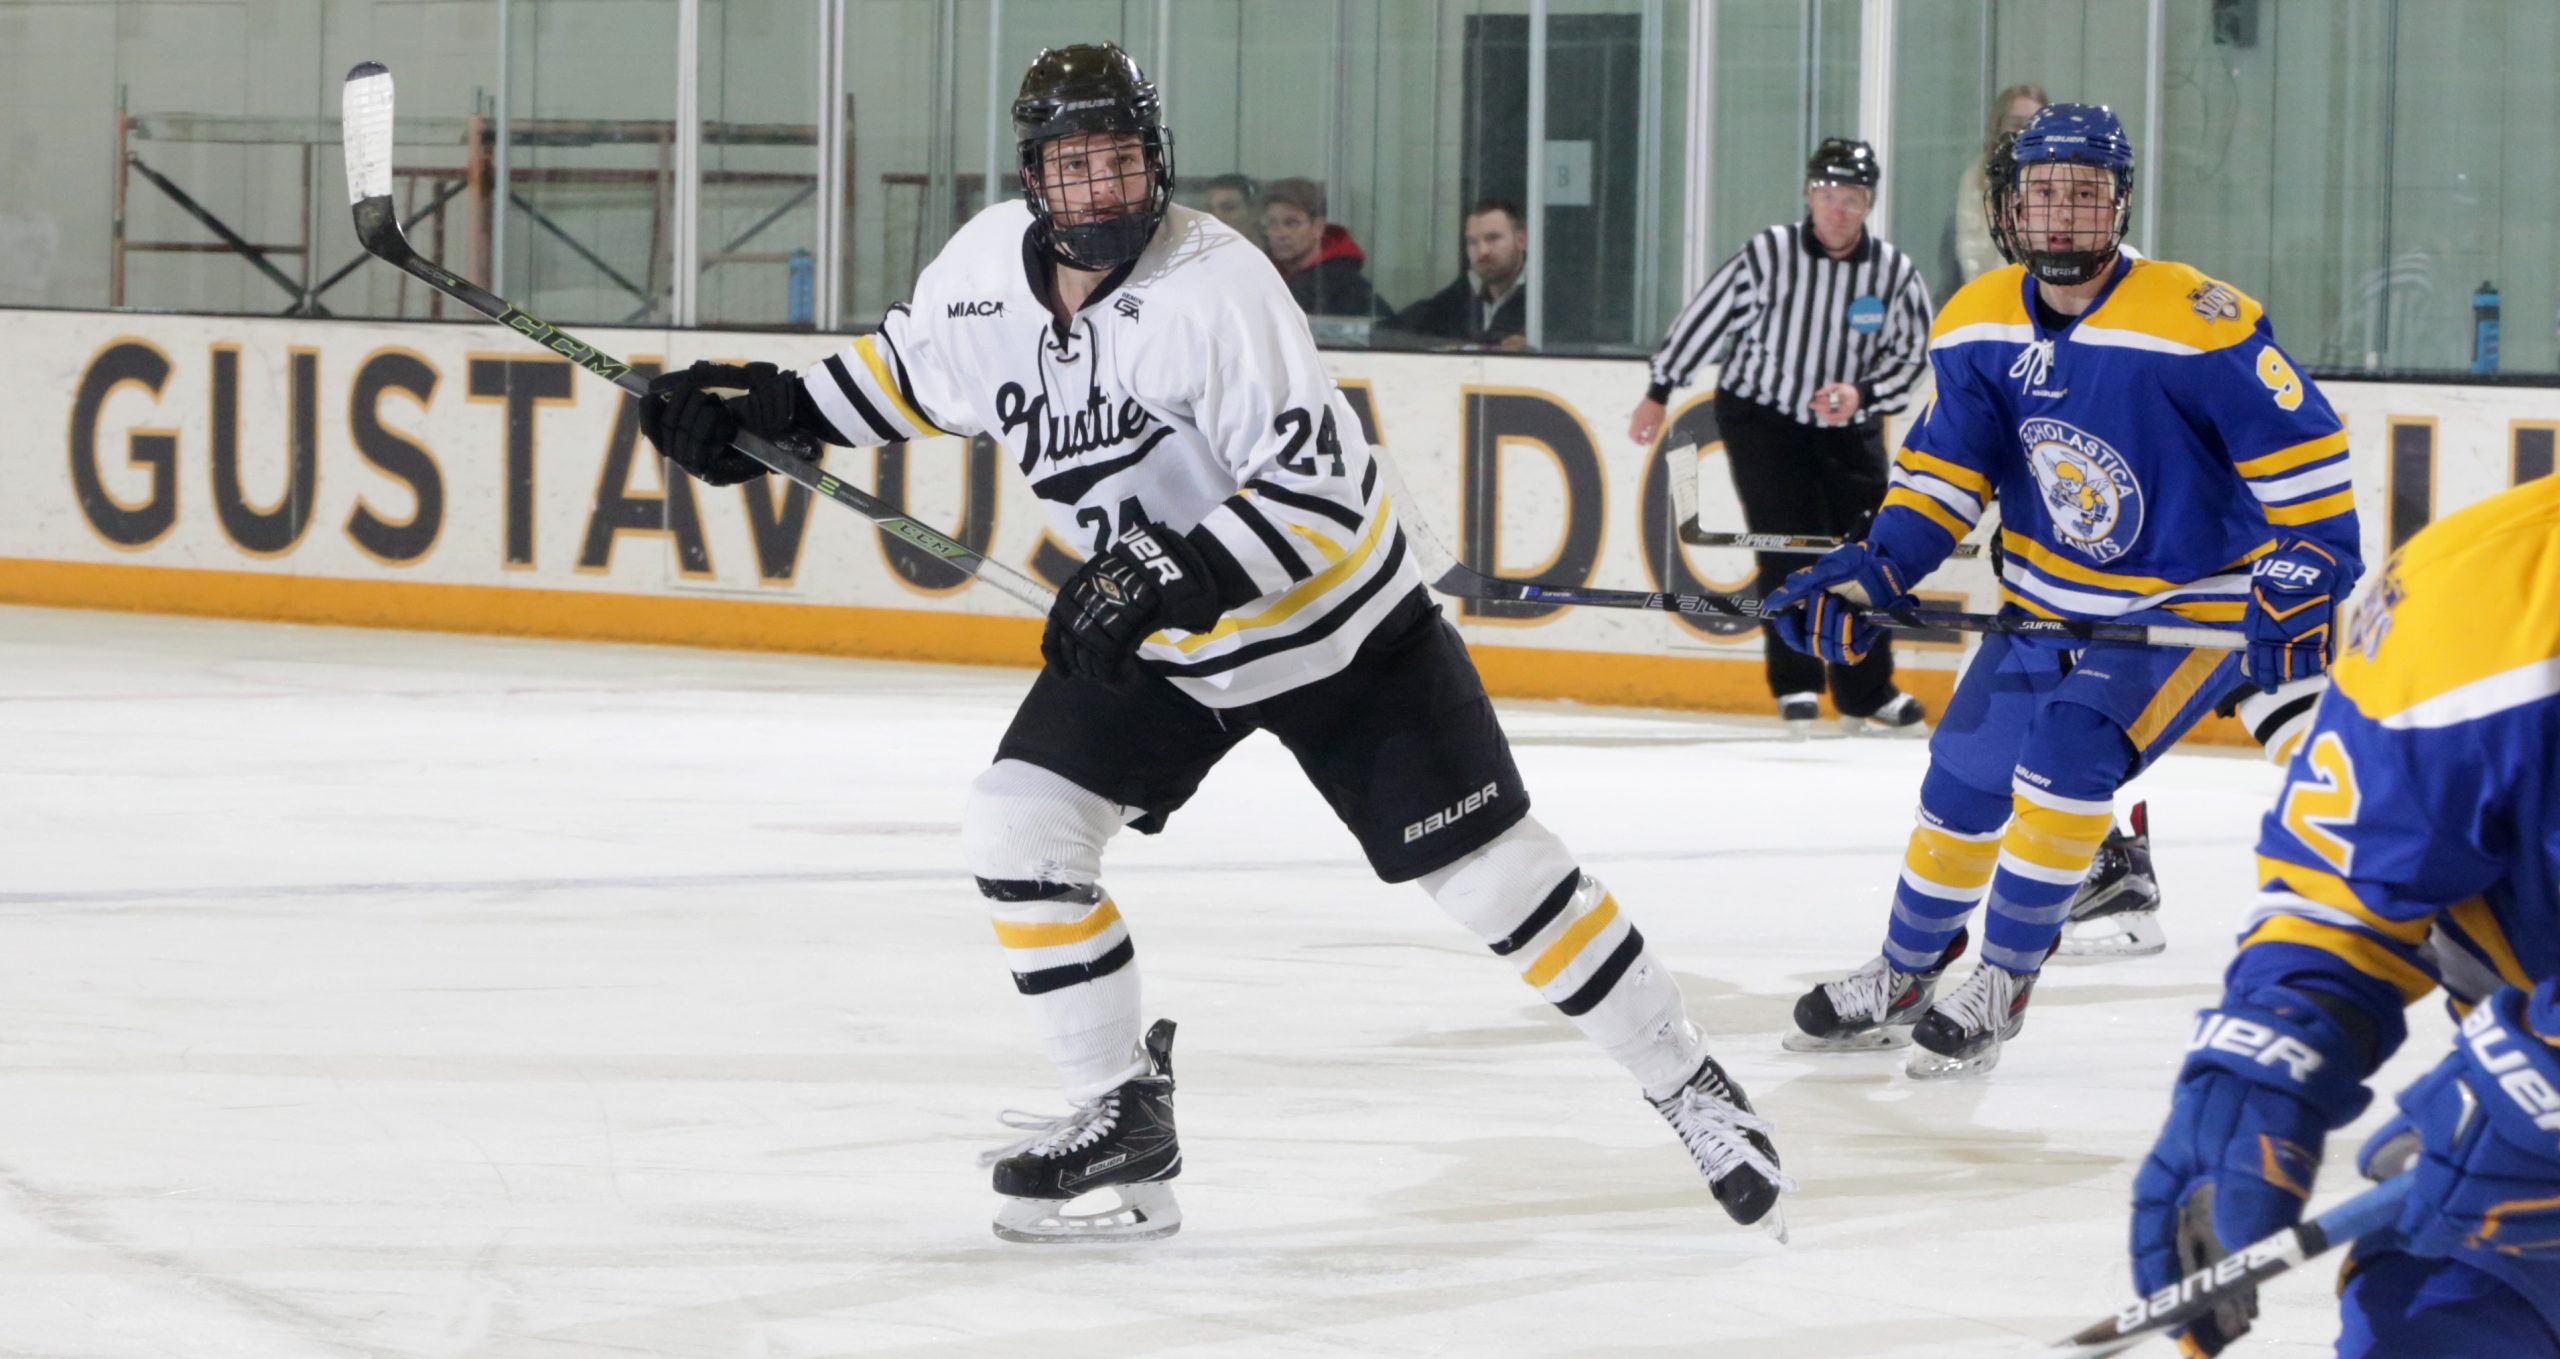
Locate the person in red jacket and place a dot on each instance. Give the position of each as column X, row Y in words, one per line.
column 1318, row 257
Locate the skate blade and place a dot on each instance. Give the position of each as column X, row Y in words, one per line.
column 1930, row 1066
column 1141, row 1212
column 1873, row 1040
column 2129, row 935
column 1775, row 1223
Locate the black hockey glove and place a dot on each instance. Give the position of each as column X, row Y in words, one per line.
column 693, row 427
column 1152, row 578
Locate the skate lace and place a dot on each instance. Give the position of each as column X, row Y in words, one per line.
column 1713, row 1130
column 1981, row 1003
column 1057, row 1134
column 1867, row 993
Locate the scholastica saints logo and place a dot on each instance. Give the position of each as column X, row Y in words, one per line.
column 2087, row 487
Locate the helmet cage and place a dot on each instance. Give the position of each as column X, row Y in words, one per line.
column 2071, row 134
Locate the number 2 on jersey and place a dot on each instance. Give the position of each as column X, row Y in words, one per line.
column 1099, row 520
column 2323, row 799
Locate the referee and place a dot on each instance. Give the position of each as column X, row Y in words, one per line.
column 1829, row 329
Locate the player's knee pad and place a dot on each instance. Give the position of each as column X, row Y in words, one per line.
column 2278, row 720
column 1029, row 834
column 1949, row 803
column 1499, row 887
column 2075, row 752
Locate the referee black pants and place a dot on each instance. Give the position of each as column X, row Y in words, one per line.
column 1800, row 478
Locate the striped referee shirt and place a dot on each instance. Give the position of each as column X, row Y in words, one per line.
column 1799, row 320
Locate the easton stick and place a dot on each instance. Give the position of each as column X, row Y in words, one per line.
column 1458, row 580
column 2241, row 1270
column 367, row 111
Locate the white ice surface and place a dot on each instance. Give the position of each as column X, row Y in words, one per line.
column 369, row 993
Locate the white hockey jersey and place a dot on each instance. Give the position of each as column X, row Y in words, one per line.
column 1188, row 393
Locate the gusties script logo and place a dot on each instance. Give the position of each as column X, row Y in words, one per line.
column 2087, row 487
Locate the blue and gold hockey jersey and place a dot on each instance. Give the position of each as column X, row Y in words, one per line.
column 2142, row 457
column 2417, row 842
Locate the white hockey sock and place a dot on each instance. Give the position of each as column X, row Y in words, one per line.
column 1035, row 840
column 1073, row 962
column 1525, row 897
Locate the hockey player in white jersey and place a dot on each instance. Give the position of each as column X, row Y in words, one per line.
column 1145, row 369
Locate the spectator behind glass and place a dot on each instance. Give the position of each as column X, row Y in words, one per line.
column 1970, row 245
column 1231, row 199
column 1488, row 305
column 1319, row 258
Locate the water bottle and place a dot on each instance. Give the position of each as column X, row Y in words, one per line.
column 2484, row 329
column 804, row 293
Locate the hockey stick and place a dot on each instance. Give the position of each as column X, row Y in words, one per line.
column 2241, row 1270
column 1458, row 580
column 1681, row 465
column 368, row 145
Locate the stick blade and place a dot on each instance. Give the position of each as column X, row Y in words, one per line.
column 367, row 132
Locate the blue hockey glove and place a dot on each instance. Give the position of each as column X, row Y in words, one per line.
column 1834, row 591
column 2267, row 1077
column 2293, row 593
column 2486, row 1129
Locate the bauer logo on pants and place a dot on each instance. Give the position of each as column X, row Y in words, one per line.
column 1456, row 811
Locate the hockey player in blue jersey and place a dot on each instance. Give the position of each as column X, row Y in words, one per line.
column 2156, row 458
column 2416, row 845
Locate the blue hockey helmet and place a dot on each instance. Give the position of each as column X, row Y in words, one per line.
column 2074, row 134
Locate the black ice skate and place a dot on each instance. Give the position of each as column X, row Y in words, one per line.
column 2117, row 913
column 1961, row 1035
column 1901, row 716
column 1799, row 712
column 1731, row 1145
column 1870, row 1009
column 1122, row 1144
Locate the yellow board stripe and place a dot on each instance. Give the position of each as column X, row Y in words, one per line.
column 1928, row 508
column 2287, row 459
column 2476, row 920
column 888, row 381
column 1566, row 948
column 1014, row 934
column 1302, row 594
column 2363, row 954
column 2182, row 685
column 2312, row 511
column 2332, row 891
column 1952, row 473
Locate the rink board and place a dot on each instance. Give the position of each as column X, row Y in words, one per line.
column 439, row 476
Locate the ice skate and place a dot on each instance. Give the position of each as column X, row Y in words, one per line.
column 1731, row 1145
column 1799, row 712
column 1962, row 1035
column 1121, row 1145
column 2117, row 913
column 1869, row 1010
column 1902, row 716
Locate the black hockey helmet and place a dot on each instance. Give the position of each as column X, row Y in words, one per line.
column 1071, row 91
column 2000, row 196
column 1843, row 160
